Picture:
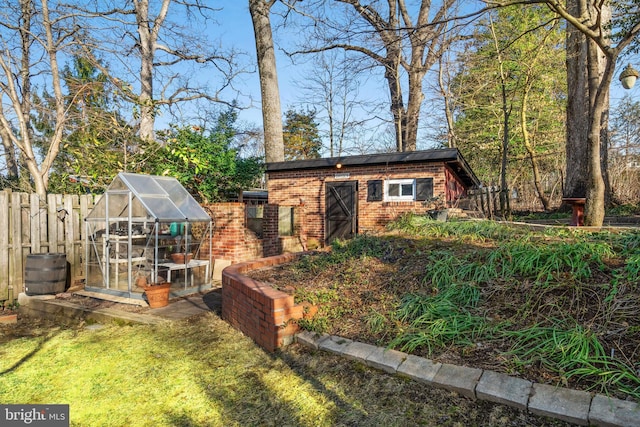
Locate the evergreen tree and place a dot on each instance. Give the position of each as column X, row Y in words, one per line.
column 301, row 135
column 99, row 143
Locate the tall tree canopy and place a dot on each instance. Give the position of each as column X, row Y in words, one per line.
column 99, row 142
column 162, row 47
column 33, row 39
column 204, row 162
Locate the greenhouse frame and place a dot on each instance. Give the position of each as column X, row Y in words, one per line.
column 147, row 229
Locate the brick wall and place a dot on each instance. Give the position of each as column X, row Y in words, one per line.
column 266, row 315
column 233, row 242
column 307, row 187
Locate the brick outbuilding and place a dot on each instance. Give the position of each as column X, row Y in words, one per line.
column 344, row 196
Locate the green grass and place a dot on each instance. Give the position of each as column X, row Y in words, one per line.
column 204, row 373
column 438, row 320
column 195, row 374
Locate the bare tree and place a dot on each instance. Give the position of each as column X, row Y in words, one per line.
column 269, row 91
column 580, row 52
column 33, row 37
column 331, row 87
column 165, row 54
column 404, row 40
column 593, row 19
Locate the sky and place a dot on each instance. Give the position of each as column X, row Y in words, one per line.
column 237, row 29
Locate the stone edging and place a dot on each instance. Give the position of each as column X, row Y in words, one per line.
column 574, row 406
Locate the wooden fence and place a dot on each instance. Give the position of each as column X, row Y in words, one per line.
column 486, row 200
column 29, row 225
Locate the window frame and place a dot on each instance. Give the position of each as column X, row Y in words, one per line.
column 400, row 182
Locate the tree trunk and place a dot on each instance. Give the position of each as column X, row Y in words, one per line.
column 448, row 110
column 585, row 74
column 598, row 82
column 9, row 154
column 409, row 143
column 271, row 111
column 148, row 33
column 505, row 209
column 391, row 74
column 531, row 152
column 575, row 184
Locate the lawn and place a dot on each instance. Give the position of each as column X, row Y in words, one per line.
column 202, row 372
column 559, row 306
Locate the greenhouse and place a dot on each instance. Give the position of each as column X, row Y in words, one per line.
column 147, row 230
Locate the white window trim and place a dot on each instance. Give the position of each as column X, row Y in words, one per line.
column 389, row 198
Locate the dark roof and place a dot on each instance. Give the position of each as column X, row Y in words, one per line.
column 450, row 156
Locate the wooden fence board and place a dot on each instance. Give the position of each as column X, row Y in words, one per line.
column 4, row 245
column 15, row 246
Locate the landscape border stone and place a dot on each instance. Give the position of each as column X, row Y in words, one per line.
column 334, row 344
column 386, row 359
column 504, row 389
column 608, row 412
column 573, row 406
column 419, row 369
column 460, row 379
column 561, row 403
column 358, row 351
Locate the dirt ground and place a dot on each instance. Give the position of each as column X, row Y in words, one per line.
column 356, row 289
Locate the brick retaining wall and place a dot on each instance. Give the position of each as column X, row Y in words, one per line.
column 263, row 313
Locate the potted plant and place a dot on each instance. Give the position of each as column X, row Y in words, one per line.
column 157, row 294
column 9, row 311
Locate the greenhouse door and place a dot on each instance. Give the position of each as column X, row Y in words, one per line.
column 341, row 205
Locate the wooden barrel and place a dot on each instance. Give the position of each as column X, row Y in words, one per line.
column 45, row 274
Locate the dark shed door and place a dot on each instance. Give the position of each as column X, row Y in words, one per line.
column 341, row 204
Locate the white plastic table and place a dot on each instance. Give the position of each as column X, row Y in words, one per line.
column 172, row 266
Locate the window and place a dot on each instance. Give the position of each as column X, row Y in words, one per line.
column 407, row 190
column 255, row 215
column 285, row 221
column 400, row 190
column 424, row 189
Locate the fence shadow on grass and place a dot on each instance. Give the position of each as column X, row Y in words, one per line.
column 29, row 355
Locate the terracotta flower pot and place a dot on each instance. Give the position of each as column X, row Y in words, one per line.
column 8, row 318
column 158, row 294
column 179, row 258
